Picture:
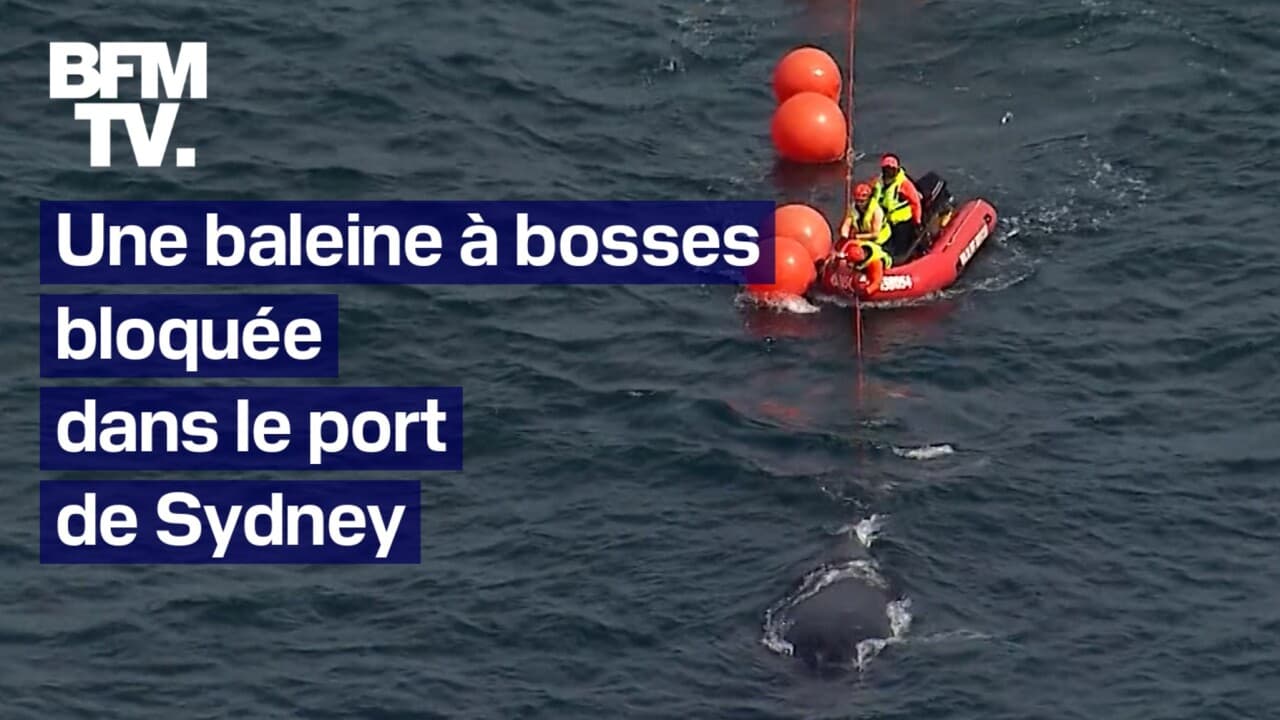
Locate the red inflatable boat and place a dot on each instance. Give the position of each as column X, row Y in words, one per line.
column 950, row 239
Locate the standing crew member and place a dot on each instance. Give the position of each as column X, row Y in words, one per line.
column 901, row 202
column 867, row 216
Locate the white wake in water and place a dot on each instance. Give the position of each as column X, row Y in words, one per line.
column 927, row 452
column 786, row 303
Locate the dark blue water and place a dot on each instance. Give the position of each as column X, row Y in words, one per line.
column 1068, row 461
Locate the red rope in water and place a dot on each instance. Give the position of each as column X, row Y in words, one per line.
column 848, row 107
column 849, row 156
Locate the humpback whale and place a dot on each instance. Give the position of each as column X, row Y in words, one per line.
column 850, row 605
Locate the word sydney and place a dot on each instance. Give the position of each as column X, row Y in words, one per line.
column 182, row 520
column 99, row 68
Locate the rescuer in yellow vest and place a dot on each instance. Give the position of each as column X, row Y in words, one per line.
column 870, row 259
column 898, row 196
column 867, row 216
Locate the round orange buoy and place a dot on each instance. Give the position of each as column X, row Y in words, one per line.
column 810, row 128
column 806, row 225
column 806, row 69
column 793, row 270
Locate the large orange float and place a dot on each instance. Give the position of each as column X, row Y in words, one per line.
column 810, row 128
column 794, row 271
column 806, row 69
column 806, row 225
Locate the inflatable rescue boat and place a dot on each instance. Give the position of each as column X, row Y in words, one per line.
column 950, row 238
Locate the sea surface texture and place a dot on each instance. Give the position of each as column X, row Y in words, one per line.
column 1066, row 466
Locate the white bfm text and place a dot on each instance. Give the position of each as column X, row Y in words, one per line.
column 100, row 69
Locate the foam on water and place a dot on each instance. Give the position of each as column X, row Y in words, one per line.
column 926, row 452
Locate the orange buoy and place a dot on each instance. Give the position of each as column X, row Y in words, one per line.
column 806, row 225
column 806, row 69
column 793, row 270
column 810, row 128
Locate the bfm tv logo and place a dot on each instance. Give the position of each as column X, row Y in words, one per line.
column 100, row 70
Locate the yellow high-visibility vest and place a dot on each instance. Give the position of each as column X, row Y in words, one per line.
column 874, row 253
column 866, row 223
column 895, row 208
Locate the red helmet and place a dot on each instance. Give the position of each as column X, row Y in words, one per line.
column 855, row 252
column 862, row 192
column 889, row 160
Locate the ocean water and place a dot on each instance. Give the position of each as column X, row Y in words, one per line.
column 1066, row 465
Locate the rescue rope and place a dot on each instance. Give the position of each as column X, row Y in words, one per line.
column 848, row 107
column 849, row 158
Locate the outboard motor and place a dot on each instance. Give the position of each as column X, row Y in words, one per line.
column 937, row 205
column 933, row 193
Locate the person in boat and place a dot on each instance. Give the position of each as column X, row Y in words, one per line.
column 900, row 199
column 867, row 216
column 868, row 258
